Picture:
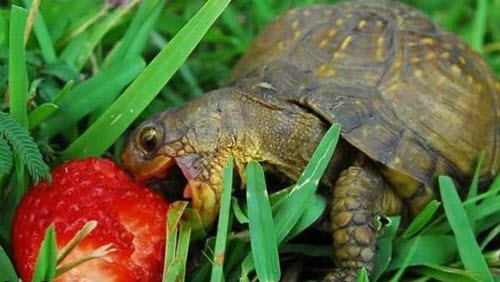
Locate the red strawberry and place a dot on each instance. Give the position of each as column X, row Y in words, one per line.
column 129, row 216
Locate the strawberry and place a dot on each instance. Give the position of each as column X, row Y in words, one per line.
column 130, row 217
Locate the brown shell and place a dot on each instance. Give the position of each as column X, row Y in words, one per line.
column 407, row 93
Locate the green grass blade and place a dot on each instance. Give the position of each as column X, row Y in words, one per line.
column 182, row 250
column 423, row 249
column 18, row 76
column 478, row 29
column 174, row 216
column 137, row 32
column 64, row 91
column 45, row 267
column 43, row 36
column 299, row 198
column 93, row 36
column 475, row 179
column 491, row 235
column 41, row 113
column 90, row 94
column 310, row 215
column 261, row 226
column 238, row 213
column 469, row 251
column 7, row 271
column 422, row 219
column 146, row 86
column 362, row 275
column 442, row 273
column 223, row 224
column 383, row 256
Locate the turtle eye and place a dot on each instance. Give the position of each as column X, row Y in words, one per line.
column 148, row 139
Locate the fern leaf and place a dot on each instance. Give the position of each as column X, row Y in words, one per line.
column 5, row 158
column 23, row 144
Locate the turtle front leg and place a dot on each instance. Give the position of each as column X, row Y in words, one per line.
column 359, row 195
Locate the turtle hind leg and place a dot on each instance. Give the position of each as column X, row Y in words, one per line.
column 359, row 195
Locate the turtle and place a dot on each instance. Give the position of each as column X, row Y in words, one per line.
column 413, row 101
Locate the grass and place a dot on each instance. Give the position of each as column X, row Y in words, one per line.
column 84, row 62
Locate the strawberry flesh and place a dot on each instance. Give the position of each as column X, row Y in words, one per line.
column 130, row 217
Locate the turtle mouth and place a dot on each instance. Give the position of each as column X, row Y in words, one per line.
column 172, row 175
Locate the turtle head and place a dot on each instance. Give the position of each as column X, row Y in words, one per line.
column 197, row 138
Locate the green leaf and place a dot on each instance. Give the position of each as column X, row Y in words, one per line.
column 7, row 271
column 45, row 267
column 146, row 86
column 5, row 158
column 261, row 226
column 422, row 219
column 24, row 145
column 469, row 251
column 223, row 223
column 18, row 76
column 41, row 113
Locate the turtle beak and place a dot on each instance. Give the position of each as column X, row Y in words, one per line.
column 204, row 193
column 143, row 170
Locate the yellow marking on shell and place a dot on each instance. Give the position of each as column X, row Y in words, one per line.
column 479, row 87
column 306, row 12
column 328, row 12
column 281, row 46
column 361, row 24
column 348, row 16
column 456, row 69
column 445, row 55
column 393, row 87
column 295, row 24
column 470, row 80
column 346, row 42
column 331, row 33
column 324, row 71
column 461, row 60
column 323, row 44
column 339, row 22
column 418, row 73
column 296, row 34
column 430, row 56
column 415, row 60
column 427, row 41
column 379, row 23
column 441, row 80
column 380, row 48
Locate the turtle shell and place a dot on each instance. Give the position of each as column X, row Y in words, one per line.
column 406, row 93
